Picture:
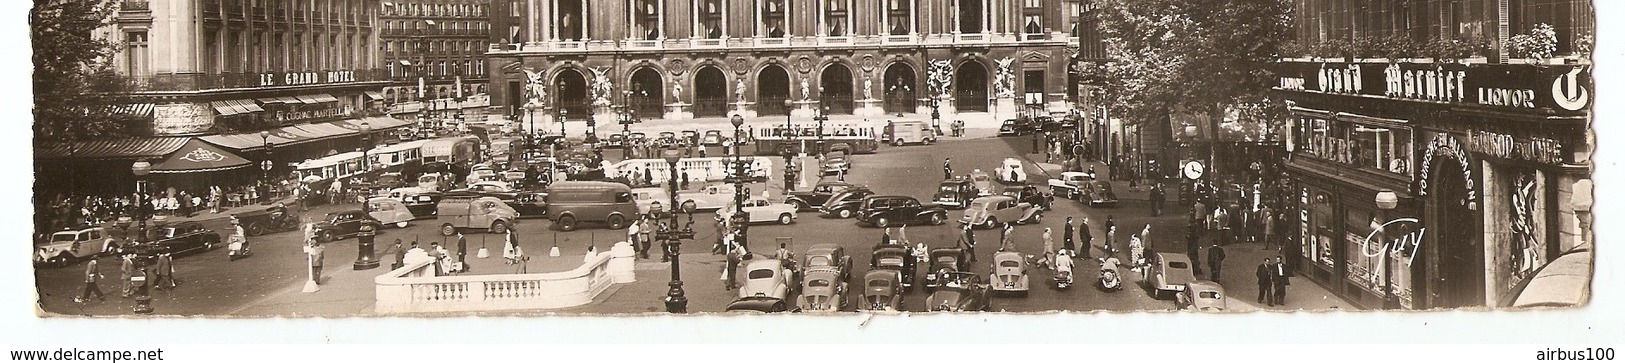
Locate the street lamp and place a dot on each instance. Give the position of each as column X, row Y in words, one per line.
column 143, row 301
column 366, row 147
column 1387, row 200
column 140, row 168
column 676, row 303
column 787, row 105
column 563, row 114
column 823, row 115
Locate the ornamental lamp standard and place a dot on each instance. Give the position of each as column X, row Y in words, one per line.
column 738, row 175
column 787, row 105
column 823, row 115
column 676, row 303
column 143, row 300
column 366, row 147
column 1387, row 200
column 265, row 139
column 563, row 115
column 1191, row 133
column 140, row 169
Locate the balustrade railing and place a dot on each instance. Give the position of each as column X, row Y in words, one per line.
column 414, row 288
column 699, row 169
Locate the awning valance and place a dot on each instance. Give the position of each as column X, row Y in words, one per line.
column 249, row 105
column 196, row 157
column 374, row 95
column 139, row 148
column 224, row 108
column 323, row 97
column 143, row 110
column 297, row 134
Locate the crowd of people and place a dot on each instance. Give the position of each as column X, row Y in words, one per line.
column 71, row 210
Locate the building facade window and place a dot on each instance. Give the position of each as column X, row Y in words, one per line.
column 135, row 53
column 1032, row 16
column 899, row 17
column 970, row 16
column 571, row 23
column 1381, row 149
column 646, row 19
column 709, row 19
column 836, row 18
column 774, row 20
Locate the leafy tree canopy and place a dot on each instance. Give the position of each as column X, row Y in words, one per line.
column 75, row 87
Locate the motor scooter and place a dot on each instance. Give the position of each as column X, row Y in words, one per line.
column 1110, row 280
column 238, row 249
column 1063, row 278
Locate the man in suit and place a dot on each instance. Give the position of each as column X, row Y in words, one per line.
column 1279, row 278
column 1066, row 236
column 1215, row 261
column 1084, row 239
column 1266, row 279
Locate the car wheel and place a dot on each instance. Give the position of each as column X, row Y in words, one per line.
column 255, row 229
column 844, row 213
column 208, row 246
column 882, row 222
column 617, row 222
column 567, row 223
column 447, row 229
column 786, row 219
column 328, row 237
column 990, row 223
column 936, row 219
column 1038, row 218
column 800, row 205
column 499, row 227
column 401, row 224
column 689, row 206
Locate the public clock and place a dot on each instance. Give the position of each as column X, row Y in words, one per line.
column 1193, row 170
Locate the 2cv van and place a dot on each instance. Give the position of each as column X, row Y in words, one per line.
column 486, row 213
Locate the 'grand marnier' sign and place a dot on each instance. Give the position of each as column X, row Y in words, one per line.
column 1562, row 89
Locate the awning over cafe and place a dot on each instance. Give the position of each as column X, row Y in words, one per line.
column 137, row 148
column 297, row 134
column 196, row 157
column 374, row 95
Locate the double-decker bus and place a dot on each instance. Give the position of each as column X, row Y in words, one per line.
column 802, row 137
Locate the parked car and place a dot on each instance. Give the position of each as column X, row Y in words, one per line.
column 805, row 200
column 177, row 238
column 667, row 139
column 845, row 204
column 885, row 211
column 1202, row 296
column 344, row 224
column 389, row 211
column 714, row 196
column 768, row 277
column 615, row 140
column 882, row 291
column 570, row 203
column 944, row 261
column 758, row 210
column 480, row 213
column 829, row 254
column 1009, row 273
column 960, row 291
column 990, row 211
column 1026, row 193
column 1014, row 127
column 497, row 189
column 956, row 193
column 1171, row 271
column 983, row 182
column 822, row 290
column 651, row 200
column 1010, row 171
column 1069, row 185
column 757, row 304
column 690, row 138
column 269, row 220
column 65, row 247
column 712, row 138
column 1099, row 194
column 894, row 258
column 835, row 163
column 530, row 204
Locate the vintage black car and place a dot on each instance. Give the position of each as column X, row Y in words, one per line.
column 422, row 204
column 269, row 220
column 846, row 203
column 496, row 189
column 897, row 258
column 956, row 193
column 944, row 261
column 1030, row 194
column 1014, row 127
column 344, row 224
column 177, row 238
column 806, row 200
column 757, row 304
column 886, row 211
column 530, row 204
column 960, row 291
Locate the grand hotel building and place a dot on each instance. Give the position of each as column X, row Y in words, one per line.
column 682, row 59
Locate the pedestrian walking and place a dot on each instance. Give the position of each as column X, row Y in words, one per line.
column 1280, row 281
column 93, row 273
column 1158, row 196
column 1266, row 279
column 462, row 253
column 721, row 246
column 400, row 255
column 1268, row 216
column 632, row 233
column 1066, row 236
column 1049, row 248
column 126, row 270
column 442, row 259
column 1086, row 239
column 970, row 241
column 1193, row 248
column 1005, row 244
column 317, row 254
column 165, row 270
column 947, row 170
column 1221, row 218
column 1215, row 261
column 645, row 229
column 665, row 242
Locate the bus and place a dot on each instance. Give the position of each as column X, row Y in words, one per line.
column 803, row 137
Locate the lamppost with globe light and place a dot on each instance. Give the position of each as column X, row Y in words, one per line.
column 675, row 301
column 738, row 220
column 143, row 300
column 366, row 147
column 142, row 208
column 823, row 116
column 1387, row 200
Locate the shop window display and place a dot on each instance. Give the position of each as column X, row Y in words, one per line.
column 1362, row 146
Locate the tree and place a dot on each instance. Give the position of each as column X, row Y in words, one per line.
column 1199, row 56
column 75, row 87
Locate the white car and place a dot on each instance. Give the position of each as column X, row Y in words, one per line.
column 650, row 199
column 714, row 196
column 67, row 246
column 1011, row 171
column 760, row 210
column 1069, row 185
column 1009, row 273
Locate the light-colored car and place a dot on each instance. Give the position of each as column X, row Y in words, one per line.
column 650, row 200
column 759, row 210
column 822, row 290
column 983, row 182
column 712, row 138
column 835, row 163
column 1203, row 296
column 768, row 277
column 960, row 291
column 882, row 290
column 831, row 255
column 1010, row 171
column 65, row 247
column 714, row 196
column 1171, row 272
column 1069, row 185
column 990, row 211
column 1009, row 273
column 389, row 211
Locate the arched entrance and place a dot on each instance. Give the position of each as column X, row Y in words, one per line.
column 646, row 97
column 710, row 92
column 900, row 88
column 970, row 87
column 772, row 89
column 1458, row 275
column 835, row 89
column 570, row 92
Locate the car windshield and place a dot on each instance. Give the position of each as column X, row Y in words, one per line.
column 949, row 188
column 1009, row 263
column 818, row 283
column 818, row 261
column 980, row 204
column 979, row 177
column 1209, row 295
column 945, row 260
column 170, row 232
column 760, row 274
column 879, row 283
column 1177, row 264
column 891, row 261
column 63, row 237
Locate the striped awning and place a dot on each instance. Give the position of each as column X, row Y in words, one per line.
column 323, row 97
column 249, row 105
column 308, row 99
column 137, row 148
column 234, row 107
column 197, row 157
column 374, row 95
column 143, row 110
